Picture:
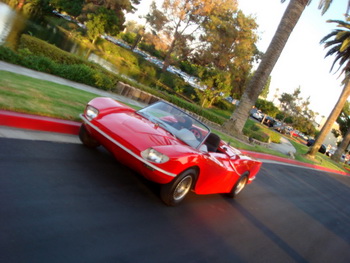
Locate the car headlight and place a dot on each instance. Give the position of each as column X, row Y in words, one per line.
column 154, row 156
column 91, row 112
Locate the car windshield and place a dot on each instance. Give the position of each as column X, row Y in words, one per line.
column 180, row 124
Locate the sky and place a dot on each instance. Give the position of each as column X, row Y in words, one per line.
column 302, row 63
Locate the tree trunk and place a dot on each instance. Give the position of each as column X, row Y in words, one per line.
column 290, row 18
column 342, row 147
column 330, row 121
column 137, row 41
column 168, row 55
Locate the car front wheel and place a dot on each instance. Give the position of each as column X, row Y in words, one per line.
column 239, row 186
column 86, row 138
column 175, row 191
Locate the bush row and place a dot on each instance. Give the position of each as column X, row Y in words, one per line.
column 42, row 56
column 42, row 48
column 77, row 72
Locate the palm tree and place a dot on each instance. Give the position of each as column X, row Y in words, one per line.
column 330, row 121
column 339, row 43
column 289, row 20
column 342, row 147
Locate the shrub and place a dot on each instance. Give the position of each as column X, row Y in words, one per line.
column 128, row 37
column 257, row 135
column 8, row 55
column 225, row 105
column 42, row 48
column 275, row 137
column 255, row 127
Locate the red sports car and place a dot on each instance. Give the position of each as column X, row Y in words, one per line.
column 167, row 146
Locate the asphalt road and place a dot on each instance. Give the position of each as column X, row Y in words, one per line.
column 62, row 202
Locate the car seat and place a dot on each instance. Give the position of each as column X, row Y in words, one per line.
column 212, row 142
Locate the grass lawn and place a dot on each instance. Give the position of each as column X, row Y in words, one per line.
column 29, row 95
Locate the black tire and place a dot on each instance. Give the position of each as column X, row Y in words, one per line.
column 174, row 192
column 239, row 186
column 86, row 138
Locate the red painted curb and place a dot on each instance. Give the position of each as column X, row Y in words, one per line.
column 289, row 161
column 39, row 123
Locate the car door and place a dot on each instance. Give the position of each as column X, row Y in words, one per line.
column 216, row 174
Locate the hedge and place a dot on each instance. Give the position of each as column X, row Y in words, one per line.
column 41, row 56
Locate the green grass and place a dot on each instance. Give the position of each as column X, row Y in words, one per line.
column 29, row 95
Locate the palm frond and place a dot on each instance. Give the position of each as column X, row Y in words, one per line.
column 338, row 44
column 324, row 5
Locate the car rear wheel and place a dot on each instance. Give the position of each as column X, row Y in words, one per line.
column 86, row 138
column 239, row 186
column 175, row 191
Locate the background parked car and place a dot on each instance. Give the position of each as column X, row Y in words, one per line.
column 322, row 149
column 269, row 121
column 278, row 126
column 256, row 114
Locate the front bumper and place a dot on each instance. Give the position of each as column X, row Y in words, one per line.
column 150, row 170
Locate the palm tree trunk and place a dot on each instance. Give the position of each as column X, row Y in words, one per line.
column 290, row 18
column 330, row 121
column 342, row 147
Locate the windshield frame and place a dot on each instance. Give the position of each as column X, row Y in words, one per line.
column 170, row 118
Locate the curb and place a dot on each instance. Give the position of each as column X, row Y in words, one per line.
column 38, row 123
column 48, row 124
column 292, row 162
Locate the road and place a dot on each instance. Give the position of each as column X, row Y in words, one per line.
column 62, row 202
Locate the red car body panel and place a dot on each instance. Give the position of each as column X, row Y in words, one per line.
column 125, row 133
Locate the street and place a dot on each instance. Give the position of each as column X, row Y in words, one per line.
column 63, row 202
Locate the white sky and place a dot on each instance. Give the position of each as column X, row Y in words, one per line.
column 302, row 61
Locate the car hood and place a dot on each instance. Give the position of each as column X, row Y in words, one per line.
column 136, row 131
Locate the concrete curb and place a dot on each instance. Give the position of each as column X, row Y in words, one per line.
column 41, row 123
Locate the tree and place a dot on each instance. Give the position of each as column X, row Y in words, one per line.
column 342, row 147
column 338, row 42
column 182, row 19
column 118, row 7
column 294, row 106
column 290, row 18
column 228, row 43
column 344, row 119
column 286, row 103
column 217, row 83
column 103, row 21
column 344, row 127
column 34, row 7
column 267, row 107
column 72, row 7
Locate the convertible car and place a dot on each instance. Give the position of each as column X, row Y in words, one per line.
column 169, row 147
